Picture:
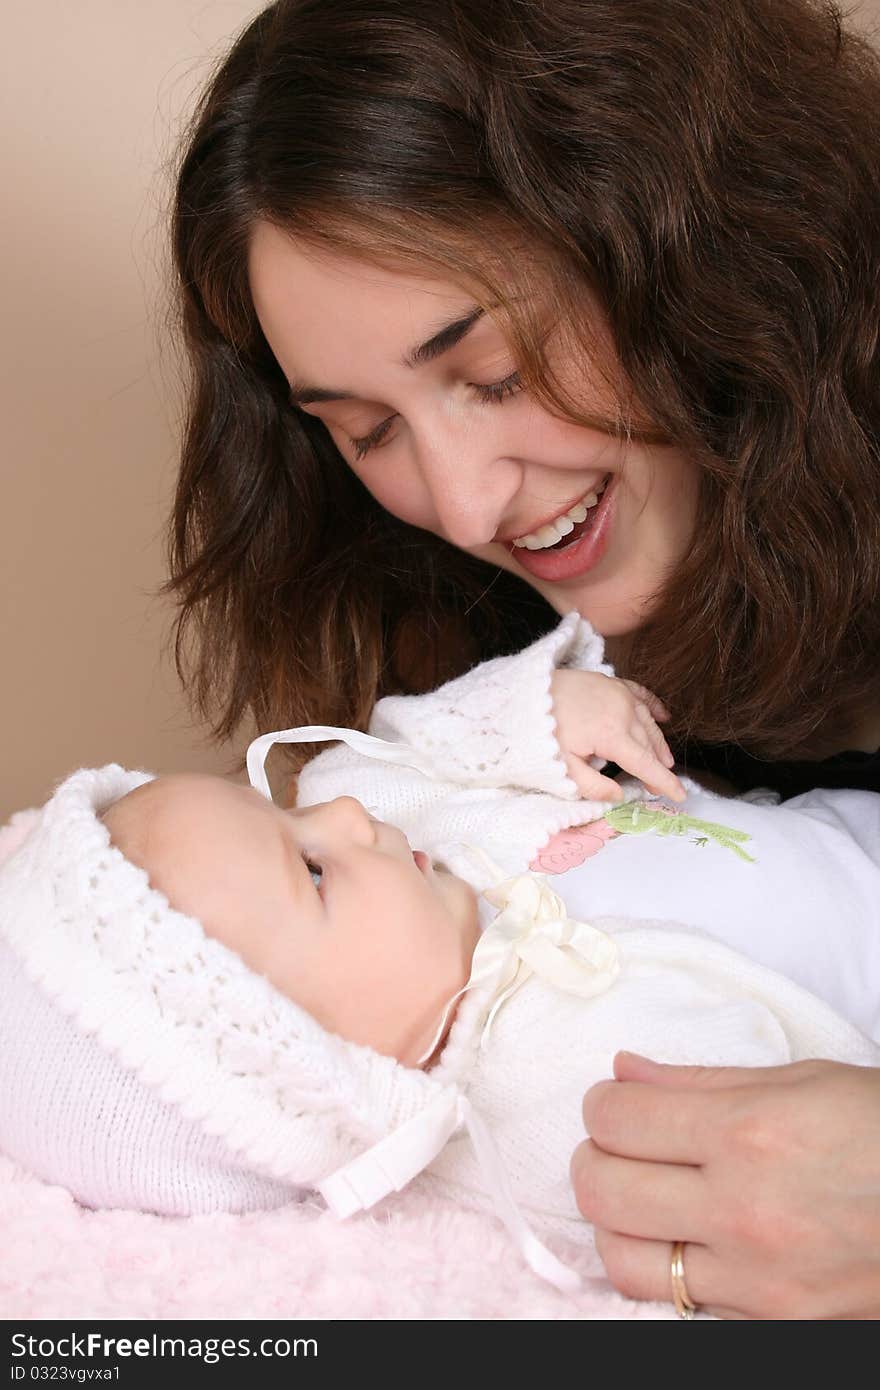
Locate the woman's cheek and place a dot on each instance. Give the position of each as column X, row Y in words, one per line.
column 399, row 491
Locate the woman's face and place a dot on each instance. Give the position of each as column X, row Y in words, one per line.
column 418, row 390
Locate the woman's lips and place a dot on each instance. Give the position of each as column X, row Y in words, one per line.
column 577, row 559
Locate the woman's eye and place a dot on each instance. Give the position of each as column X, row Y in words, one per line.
column 496, row 391
column 492, row 393
column 371, row 440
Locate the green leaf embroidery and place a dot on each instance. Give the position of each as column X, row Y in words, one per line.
column 634, row 818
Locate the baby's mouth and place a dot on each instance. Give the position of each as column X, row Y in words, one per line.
column 567, row 529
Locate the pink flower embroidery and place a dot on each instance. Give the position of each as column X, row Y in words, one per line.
column 569, row 847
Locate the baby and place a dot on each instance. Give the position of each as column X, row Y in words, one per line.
column 210, row 1003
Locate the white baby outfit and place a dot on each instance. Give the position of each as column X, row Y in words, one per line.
column 142, row 1064
column 477, row 763
column 808, row 907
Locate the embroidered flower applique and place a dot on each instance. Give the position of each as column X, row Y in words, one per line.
column 568, row 848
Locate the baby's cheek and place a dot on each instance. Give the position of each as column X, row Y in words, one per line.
column 568, row 848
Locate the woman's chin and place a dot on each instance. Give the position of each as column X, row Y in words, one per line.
column 612, row 606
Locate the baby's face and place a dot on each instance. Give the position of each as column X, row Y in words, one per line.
column 333, row 907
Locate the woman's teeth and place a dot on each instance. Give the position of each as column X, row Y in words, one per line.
column 555, row 531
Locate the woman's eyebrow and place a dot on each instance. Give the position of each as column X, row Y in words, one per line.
column 448, row 336
column 444, row 339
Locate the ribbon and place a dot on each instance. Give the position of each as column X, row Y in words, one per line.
column 392, row 1163
column 532, row 934
column 370, row 747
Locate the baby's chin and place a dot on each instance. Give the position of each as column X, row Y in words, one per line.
column 461, row 899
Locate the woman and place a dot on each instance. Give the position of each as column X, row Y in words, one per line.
column 498, row 312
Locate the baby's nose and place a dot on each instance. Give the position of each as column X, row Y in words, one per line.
column 345, row 815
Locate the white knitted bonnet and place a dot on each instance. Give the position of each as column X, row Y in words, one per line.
column 142, row 1064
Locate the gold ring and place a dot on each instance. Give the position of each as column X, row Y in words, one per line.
column 684, row 1304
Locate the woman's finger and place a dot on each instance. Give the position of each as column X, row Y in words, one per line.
column 632, row 1067
column 655, row 1201
column 643, row 1269
column 647, row 1122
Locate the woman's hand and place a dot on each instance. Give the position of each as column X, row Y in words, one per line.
column 771, row 1175
column 602, row 716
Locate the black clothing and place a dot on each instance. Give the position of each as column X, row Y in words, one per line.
column 860, row 771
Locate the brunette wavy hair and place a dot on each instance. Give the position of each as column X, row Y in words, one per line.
column 708, row 171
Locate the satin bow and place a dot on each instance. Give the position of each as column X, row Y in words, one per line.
column 533, row 934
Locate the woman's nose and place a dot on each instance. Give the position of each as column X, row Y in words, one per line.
column 470, row 491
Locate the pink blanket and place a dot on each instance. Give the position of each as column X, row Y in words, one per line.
column 414, row 1257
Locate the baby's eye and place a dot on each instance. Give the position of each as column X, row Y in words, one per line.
column 315, row 870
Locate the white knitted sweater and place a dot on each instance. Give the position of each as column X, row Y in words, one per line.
column 485, row 769
column 493, row 776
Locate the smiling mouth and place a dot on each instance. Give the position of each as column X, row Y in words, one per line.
column 567, row 528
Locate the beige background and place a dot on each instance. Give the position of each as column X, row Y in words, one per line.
column 92, row 95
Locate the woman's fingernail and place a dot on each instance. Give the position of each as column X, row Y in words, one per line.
column 623, row 1058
